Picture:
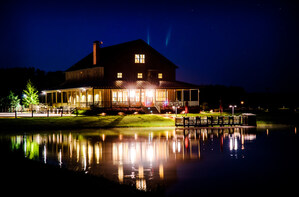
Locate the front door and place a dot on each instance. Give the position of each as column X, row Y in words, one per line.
column 149, row 97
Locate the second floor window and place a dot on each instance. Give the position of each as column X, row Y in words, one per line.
column 139, row 58
column 139, row 75
column 160, row 75
column 119, row 75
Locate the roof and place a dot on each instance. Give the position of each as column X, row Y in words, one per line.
column 120, row 84
column 113, row 52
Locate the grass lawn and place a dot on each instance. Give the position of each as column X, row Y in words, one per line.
column 82, row 122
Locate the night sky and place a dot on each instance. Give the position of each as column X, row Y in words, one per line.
column 252, row 44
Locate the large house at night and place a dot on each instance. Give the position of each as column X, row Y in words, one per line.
column 131, row 74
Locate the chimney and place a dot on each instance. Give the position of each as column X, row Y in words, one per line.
column 96, row 47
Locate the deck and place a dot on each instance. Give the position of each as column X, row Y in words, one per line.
column 216, row 121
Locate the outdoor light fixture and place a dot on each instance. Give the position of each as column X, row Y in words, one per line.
column 132, row 93
column 149, row 93
column 233, row 108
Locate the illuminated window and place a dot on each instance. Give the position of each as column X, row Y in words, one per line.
column 161, row 95
column 119, row 75
column 160, row 75
column 139, row 58
column 139, row 75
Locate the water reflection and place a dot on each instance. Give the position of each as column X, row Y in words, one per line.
column 145, row 159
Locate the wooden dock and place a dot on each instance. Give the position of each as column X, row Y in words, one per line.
column 216, row 121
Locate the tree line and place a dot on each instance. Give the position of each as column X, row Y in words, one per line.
column 21, row 87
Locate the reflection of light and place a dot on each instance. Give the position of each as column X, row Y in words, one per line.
column 150, row 153
column 120, row 174
column 120, row 151
column 103, row 137
column 135, row 136
column 84, row 157
column 60, row 157
column 45, row 153
column 89, row 153
column 267, row 131
column 141, row 184
column 78, row 152
column 132, row 155
column 230, row 144
column 179, row 147
column 250, row 137
column 98, row 152
column 140, row 172
column 173, row 147
column 166, row 135
column 236, row 144
column 295, row 130
column 161, row 171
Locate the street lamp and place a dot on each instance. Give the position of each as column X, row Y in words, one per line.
column 175, row 108
column 233, row 108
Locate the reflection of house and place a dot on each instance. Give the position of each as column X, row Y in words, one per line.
column 130, row 74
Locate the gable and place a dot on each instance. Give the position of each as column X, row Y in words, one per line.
column 123, row 54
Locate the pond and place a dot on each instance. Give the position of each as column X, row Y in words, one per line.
column 179, row 162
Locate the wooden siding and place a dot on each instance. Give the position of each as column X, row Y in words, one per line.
column 89, row 73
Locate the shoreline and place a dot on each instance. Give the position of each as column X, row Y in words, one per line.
column 141, row 121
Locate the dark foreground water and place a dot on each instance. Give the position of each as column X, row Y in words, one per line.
column 213, row 161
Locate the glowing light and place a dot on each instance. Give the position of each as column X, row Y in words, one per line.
column 141, row 184
column 179, row 147
column 149, row 93
column 120, row 174
column 161, row 171
column 90, row 151
column 236, row 144
column 160, row 75
column 140, row 172
column 132, row 92
column 84, row 157
column 173, row 147
column 231, row 144
column 60, row 157
column 98, row 153
column 119, row 75
column 45, row 153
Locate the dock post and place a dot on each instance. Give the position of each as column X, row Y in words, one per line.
column 32, row 114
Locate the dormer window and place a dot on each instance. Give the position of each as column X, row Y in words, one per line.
column 139, row 58
column 139, row 75
column 119, row 75
column 160, row 76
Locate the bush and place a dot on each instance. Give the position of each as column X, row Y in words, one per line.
column 112, row 111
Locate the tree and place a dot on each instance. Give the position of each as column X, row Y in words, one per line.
column 30, row 95
column 13, row 101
